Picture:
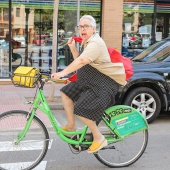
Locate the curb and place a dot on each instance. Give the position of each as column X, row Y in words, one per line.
column 56, row 106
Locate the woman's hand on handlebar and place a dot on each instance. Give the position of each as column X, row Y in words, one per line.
column 57, row 76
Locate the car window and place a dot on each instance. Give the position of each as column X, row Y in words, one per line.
column 161, row 55
column 153, row 52
column 165, row 57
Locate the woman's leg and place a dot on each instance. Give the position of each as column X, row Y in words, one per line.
column 97, row 136
column 68, row 106
column 99, row 140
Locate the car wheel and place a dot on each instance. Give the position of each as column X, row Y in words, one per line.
column 146, row 101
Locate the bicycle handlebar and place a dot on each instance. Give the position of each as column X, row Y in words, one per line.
column 62, row 81
column 48, row 79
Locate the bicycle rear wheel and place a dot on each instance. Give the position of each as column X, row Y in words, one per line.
column 122, row 153
column 30, row 151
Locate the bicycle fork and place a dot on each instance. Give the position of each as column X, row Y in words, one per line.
column 22, row 134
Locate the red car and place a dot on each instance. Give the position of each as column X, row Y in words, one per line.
column 39, row 39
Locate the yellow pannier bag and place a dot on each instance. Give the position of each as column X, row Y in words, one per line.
column 24, row 76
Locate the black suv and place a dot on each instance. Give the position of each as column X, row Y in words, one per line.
column 148, row 90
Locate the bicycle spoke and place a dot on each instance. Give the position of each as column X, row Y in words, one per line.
column 30, row 151
column 124, row 152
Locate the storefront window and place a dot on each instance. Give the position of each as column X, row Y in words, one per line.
column 69, row 13
column 32, row 32
column 4, row 44
column 162, row 19
column 30, row 20
column 33, row 25
column 137, row 26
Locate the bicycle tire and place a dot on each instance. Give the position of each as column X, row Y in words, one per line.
column 122, row 153
column 31, row 150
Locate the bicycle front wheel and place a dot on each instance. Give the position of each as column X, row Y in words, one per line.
column 30, row 151
column 122, row 153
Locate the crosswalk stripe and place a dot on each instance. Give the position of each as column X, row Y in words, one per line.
column 6, row 145
column 41, row 166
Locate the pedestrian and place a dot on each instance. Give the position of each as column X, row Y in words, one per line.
column 98, row 80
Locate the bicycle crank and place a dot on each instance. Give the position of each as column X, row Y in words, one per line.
column 77, row 148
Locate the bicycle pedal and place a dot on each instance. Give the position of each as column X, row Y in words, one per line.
column 84, row 147
column 75, row 149
column 108, row 147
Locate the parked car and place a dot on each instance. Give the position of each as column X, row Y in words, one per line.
column 148, row 90
column 21, row 39
column 49, row 41
column 39, row 39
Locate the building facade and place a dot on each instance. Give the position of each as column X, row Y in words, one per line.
column 35, row 33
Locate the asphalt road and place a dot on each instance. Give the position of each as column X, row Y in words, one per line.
column 156, row 156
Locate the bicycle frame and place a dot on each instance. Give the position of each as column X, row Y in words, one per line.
column 40, row 102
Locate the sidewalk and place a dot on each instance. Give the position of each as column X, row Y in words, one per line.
column 16, row 98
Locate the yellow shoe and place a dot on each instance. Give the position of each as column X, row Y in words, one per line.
column 64, row 128
column 97, row 146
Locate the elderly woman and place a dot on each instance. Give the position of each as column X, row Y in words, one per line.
column 97, row 84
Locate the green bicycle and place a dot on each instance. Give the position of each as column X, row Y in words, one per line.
column 24, row 137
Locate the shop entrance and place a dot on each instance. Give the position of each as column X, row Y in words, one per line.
column 162, row 26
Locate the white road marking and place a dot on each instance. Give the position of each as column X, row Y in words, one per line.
column 12, row 166
column 37, row 145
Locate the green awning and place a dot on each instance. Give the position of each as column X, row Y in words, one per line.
column 138, row 7
column 48, row 4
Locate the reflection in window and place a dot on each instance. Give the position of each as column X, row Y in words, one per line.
column 156, row 52
column 164, row 57
column 32, row 28
column 142, row 55
column 160, row 55
column 137, row 26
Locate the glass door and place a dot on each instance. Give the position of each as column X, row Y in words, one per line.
column 68, row 17
column 162, row 26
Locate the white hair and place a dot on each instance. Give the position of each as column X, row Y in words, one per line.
column 92, row 20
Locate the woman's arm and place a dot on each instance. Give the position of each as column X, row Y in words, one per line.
column 74, row 51
column 75, row 65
